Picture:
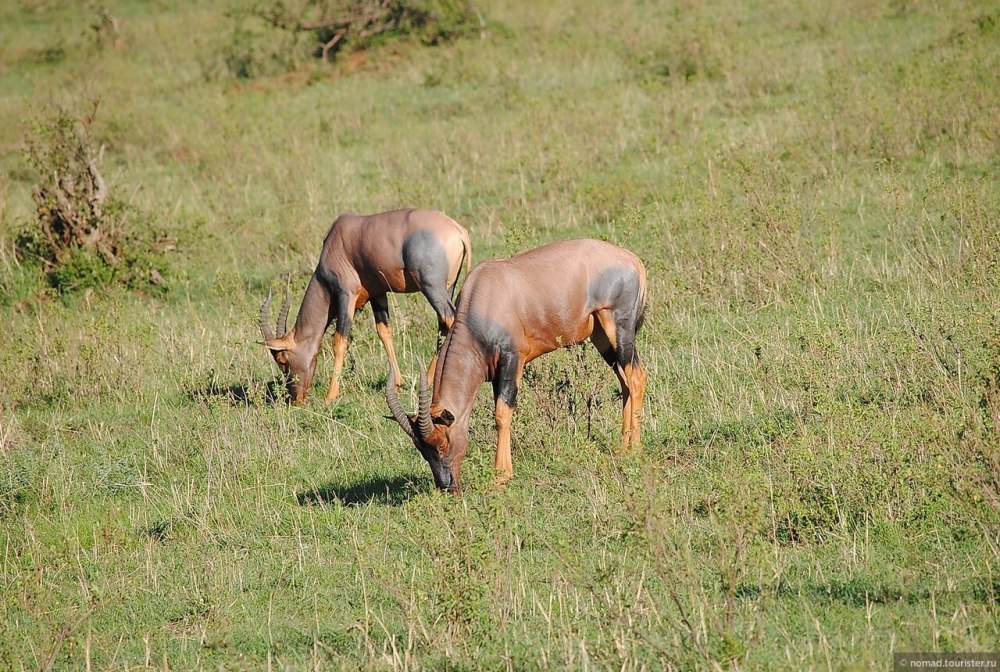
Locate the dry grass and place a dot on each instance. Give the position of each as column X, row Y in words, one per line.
column 813, row 190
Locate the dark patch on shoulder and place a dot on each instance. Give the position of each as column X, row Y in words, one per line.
column 494, row 341
column 614, row 287
column 329, row 280
column 490, row 336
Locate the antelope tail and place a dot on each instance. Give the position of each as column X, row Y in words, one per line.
column 641, row 301
column 466, row 262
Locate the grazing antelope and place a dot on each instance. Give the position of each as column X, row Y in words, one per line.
column 364, row 257
column 511, row 311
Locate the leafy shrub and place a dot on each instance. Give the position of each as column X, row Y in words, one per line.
column 106, row 27
column 79, row 235
column 276, row 35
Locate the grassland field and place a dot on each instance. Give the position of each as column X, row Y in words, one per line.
column 813, row 188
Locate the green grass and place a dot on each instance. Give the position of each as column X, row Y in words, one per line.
column 814, row 190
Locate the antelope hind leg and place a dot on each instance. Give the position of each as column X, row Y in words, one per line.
column 605, row 339
column 637, row 377
column 380, row 307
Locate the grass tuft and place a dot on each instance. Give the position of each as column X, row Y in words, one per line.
column 812, row 188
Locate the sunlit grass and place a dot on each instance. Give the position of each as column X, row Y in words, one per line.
column 813, row 190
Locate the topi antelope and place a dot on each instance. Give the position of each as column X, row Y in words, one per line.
column 511, row 311
column 364, row 257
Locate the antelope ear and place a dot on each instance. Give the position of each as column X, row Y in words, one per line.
column 286, row 342
column 446, row 418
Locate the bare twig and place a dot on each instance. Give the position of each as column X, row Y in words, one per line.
column 64, row 633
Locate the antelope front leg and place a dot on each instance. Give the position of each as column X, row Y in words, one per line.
column 339, row 352
column 504, row 465
column 505, row 385
column 340, row 339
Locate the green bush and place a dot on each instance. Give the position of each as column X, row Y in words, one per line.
column 79, row 237
column 275, row 35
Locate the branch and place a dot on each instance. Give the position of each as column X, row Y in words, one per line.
column 327, row 46
column 101, row 190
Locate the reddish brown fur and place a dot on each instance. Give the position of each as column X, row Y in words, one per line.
column 362, row 260
column 512, row 311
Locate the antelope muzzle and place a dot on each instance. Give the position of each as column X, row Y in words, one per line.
column 420, row 428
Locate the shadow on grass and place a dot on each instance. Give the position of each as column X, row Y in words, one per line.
column 239, row 394
column 859, row 592
column 390, row 492
column 378, row 384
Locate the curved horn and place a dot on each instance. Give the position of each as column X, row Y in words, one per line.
column 394, row 406
column 283, row 313
column 424, row 423
column 265, row 317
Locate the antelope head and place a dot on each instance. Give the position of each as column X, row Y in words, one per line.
column 431, row 434
column 297, row 368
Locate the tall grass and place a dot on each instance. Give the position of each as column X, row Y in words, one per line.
column 813, row 189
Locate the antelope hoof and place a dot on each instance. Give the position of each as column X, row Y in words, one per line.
column 630, row 441
column 501, row 480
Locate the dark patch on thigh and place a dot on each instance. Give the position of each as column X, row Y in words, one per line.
column 599, row 338
column 616, row 288
column 425, row 259
column 380, row 307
